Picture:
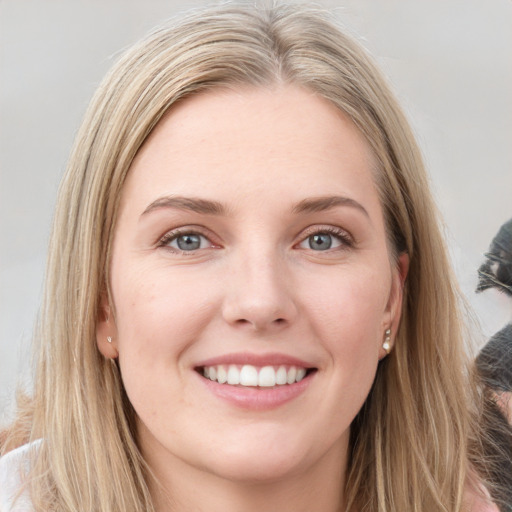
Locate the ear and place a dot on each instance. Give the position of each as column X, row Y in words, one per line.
column 106, row 332
column 394, row 305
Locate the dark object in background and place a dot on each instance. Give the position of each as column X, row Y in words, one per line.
column 495, row 360
column 494, row 364
column 496, row 272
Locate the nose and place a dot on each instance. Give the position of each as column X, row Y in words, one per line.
column 259, row 295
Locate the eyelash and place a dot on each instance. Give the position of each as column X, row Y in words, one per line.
column 176, row 233
column 347, row 241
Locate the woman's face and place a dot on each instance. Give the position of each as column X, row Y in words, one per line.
column 252, row 285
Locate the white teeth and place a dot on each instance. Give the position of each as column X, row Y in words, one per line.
column 292, row 373
column 222, row 374
column 281, row 375
column 301, row 373
column 233, row 375
column 267, row 377
column 249, row 375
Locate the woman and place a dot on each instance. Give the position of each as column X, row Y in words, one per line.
column 243, row 306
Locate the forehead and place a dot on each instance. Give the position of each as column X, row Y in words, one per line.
column 253, row 140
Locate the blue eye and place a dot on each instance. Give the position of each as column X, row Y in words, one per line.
column 186, row 241
column 324, row 241
column 320, row 241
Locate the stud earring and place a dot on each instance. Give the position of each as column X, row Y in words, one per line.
column 387, row 341
column 109, row 339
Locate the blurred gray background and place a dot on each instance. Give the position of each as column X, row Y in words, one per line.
column 450, row 62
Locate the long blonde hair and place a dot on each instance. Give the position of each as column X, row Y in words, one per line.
column 410, row 442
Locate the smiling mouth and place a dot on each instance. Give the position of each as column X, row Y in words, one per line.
column 255, row 376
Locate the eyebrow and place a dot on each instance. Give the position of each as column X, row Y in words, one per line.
column 204, row 206
column 209, row 207
column 319, row 204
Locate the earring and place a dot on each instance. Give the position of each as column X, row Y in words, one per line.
column 387, row 341
column 109, row 339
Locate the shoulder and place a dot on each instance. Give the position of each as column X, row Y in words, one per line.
column 13, row 466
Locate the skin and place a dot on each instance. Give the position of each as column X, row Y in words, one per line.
column 254, row 286
column 504, row 401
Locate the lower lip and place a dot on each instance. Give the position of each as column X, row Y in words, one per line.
column 259, row 399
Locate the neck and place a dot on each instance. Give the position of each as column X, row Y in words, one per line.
column 184, row 488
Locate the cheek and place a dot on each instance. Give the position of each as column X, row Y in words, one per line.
column 157, row 320
column 347, row 316
column 158, row 315
column 349, row 308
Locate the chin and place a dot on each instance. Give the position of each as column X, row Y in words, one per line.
column 274, row 458
column 254, row 470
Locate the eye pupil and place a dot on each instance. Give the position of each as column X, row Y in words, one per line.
column 189, row 242
column 320, row 241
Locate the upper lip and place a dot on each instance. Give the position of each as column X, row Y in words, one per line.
column 269, row 359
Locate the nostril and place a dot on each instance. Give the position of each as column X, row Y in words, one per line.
column 260, row 324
